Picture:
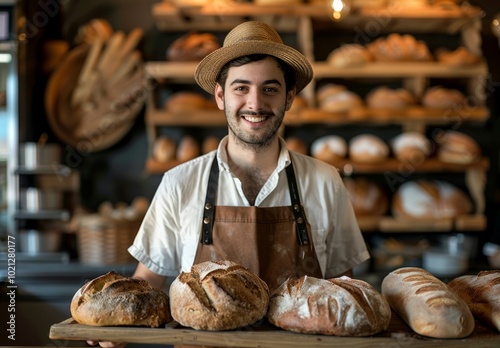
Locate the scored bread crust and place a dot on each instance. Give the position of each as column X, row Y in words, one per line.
column 339, row 306
column 481, row 292
column 427, row 304
column 218, row 295
column 111, row 300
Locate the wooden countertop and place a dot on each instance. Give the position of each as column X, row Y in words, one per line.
column 265, row 335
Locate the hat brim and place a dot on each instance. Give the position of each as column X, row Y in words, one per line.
column 208, row 69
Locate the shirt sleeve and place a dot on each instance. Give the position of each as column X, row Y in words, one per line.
column 155, row 243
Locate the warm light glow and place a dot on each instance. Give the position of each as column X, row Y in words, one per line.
column 496, row 22
column 337, row 6
column 5, row 57
column 340, row 9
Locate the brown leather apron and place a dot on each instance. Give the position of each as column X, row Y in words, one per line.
column 275, row 242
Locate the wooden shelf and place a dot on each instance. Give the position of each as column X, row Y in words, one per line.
column 212, row 118
column 431, row 165
column 184, row 71
column 224, row 15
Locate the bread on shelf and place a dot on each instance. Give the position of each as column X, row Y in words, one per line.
column 384, row 97
column 329, row 148
column 457, row 147
column 367, row 197
column 368, row 148
column 443, row 98
column 411, row 147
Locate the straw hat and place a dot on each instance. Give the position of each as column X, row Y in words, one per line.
column 252, row 37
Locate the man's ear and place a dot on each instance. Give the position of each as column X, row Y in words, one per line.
column 219, row 96
column 290, row 96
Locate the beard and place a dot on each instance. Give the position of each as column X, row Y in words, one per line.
column 256, row 140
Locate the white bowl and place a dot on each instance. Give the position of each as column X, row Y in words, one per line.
column 442, row 263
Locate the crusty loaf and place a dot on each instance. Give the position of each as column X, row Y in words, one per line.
column 339, row 306
column 112, row 299
column 481, row 292
column 218, row 295
column 366, row 196
column 427, row 304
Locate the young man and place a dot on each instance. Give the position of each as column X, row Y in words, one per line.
column 251, row 201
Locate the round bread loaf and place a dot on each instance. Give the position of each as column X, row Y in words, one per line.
column 384, row 97
column 218, row 295
column 334, row 100
column 188, row 149
column 442, row 98
column 458, row 57
column 397, row 47
column 192, row 47
column 367, row 198
column 164, row 149
column 111, row 300
column 339, row 306
column 423, row 199
column 329, row 148
column 186, row 101
column 411, row 147
column 368, row 148
column 296, row 144
column 349, row 55
column 457, row 147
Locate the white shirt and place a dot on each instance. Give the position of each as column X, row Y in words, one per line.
column 170, row 232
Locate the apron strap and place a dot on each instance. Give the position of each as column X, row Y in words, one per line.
column 209, row 207
column 298, row 211
column 208, row 212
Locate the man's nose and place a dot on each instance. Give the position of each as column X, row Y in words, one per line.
column 254, row 100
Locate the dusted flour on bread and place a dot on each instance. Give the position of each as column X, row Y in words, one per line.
column 339, row 306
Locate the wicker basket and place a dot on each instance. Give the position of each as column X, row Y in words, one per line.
column 104, row 240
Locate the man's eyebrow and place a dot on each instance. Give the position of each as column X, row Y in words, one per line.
column 267, row 82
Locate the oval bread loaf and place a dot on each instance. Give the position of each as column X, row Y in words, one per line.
column 339, row 306
column 218, row 295
column 481, row 292
column 427, row 304
column 112, row 299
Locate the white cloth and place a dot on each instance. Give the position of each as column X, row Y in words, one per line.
column 169, row 235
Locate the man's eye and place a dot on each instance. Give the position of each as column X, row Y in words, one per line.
column 270, row 90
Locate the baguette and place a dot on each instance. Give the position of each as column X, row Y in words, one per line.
column 339, row 306
column 427, row 304
column 481, row 292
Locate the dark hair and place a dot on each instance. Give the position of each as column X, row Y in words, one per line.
column 288, row 72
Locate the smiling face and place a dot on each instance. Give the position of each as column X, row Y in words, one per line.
column 254, row 100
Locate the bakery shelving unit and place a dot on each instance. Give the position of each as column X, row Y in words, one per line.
column 302, row 20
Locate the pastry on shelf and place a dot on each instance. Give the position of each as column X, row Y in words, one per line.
column 443, row 98
column 397, row 47
column 368, row 148
column 209, row 144
column 329, row 148
column 366, row 196
column 337, row 98
column 296, row 144
column 458, row 57
column 411, row 147
column 186, row 101
column 192, row 47
column 188, row 149
column 164, row 149
column 430, row 199
column 384, row 97
column 457, row 147
column 299, row 103
column 349, row 55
